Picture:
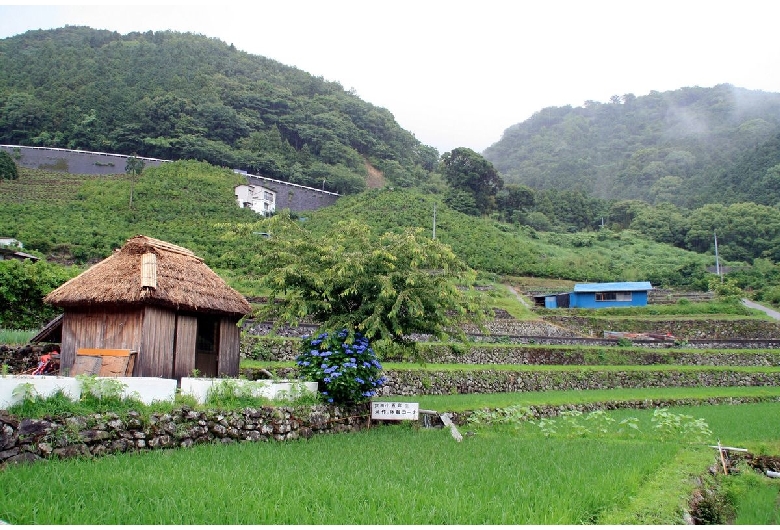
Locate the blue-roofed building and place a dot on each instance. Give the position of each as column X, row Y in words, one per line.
column 615, row 294
column 598, row 295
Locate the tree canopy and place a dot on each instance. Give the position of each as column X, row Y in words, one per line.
column 386, row 288
column 467, row 171
column 690, row 147
column 182, row 96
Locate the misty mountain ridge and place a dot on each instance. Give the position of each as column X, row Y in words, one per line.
column 183, row 96
column 690, row 147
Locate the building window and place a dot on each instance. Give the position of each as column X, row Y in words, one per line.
column 268, row 196
column 614, row 296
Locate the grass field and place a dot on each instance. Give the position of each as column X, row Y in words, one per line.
column 16, row 337
column 395, row 475
column 465, row 402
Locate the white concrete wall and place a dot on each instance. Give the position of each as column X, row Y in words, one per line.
column 12, row 387
column 199, row 387
column 145, row 389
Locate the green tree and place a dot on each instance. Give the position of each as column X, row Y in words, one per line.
column 461, row 201
column 664, row 223
column 515, row 200
column 622, row 213
column 466, row 170
column 667, row 189
column 8, row 169
column 745, row 231
column 385, row 288
column 134, row 166
column 23, row 284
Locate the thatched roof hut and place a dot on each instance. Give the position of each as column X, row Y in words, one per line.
column 158, row 299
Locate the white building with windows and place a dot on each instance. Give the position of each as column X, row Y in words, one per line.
column 257, row 198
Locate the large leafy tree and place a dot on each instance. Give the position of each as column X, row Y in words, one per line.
column 466, row 170
column 664, row 223
column 386, row 288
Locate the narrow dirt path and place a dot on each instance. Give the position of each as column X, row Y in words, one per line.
column 522, row 300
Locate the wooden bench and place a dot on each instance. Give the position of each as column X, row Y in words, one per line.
column 104, row 362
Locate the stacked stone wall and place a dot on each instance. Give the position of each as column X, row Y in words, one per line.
column 28, row 440
column 555, row 351
column 411, row 382
column 699, row 329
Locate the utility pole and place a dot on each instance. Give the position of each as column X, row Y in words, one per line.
column 434, row 220
column 717, row 262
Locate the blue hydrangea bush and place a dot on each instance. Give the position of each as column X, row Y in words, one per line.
column 345, row 367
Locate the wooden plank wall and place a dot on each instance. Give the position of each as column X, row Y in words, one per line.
column 155, row 358
column 186, row 335
column 119, row 329
column 229, row 341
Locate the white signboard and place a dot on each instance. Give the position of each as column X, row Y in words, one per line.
column 389, row 410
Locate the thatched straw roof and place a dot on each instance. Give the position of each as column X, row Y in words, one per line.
column 181, row 281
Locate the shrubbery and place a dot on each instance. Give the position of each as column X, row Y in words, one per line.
column 8, row 169
column 345, row 367
column 23, row 285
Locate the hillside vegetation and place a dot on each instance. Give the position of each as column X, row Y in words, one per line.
column 689, row 147
column 192, row 204
column 634, row 189
column 183, row 96
column 502, row 248
column 676, row 167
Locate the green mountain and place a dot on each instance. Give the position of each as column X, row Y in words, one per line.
column 188, row 97
column 183, row 96
column 690, row 147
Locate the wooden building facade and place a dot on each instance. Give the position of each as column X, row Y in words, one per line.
column 159, row 300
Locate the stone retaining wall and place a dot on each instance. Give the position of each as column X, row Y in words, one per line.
column 560, row 353
column 28, row 440
column 73, row 161
column 590, row 356
column 441, row 382
column 497, row 327
column 416, row 382
column 700, row 328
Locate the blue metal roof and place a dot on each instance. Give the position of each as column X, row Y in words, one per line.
column 614, row 286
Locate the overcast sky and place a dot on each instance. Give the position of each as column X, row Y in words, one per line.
column 457, row 73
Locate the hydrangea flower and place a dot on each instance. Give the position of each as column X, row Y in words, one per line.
column 348, row 372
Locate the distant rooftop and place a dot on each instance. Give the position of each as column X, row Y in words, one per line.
column 613, row 286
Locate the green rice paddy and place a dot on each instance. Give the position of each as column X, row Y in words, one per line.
column 394, row 475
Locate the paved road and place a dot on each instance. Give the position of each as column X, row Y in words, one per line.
column 771, row 312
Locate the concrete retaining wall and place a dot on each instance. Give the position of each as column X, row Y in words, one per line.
column 72, row 161
column 293, row 196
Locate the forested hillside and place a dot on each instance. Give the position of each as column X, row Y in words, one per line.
column 183, row 96
column 688, row 147
column 675, row 167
